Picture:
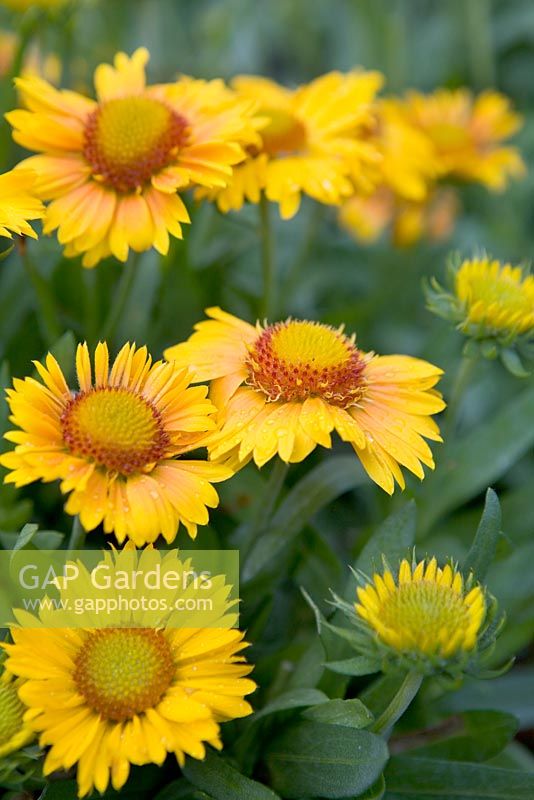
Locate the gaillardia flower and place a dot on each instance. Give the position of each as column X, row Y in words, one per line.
column 14, row 731
column 283, row 388
column 112, row 167
column 492, row 304
column 18, row 203
column 113, row 443
column 105, row 698
column 427, row 612
column 406, row 198
column 468, row 133
column 495, row 297
column 313, row 141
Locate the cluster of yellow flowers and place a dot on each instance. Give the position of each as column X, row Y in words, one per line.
column 114, row 168
column 126, row 443
column 426, row 141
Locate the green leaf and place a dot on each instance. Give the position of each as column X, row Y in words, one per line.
column 348, row 713
column 484, row 546
column 221, row 781
column 4, row 253
column 479, row 458
column 512, row 362
column 393, row 538
column 374, row 792
column 470, row 736
column 513, row 693
column 181, row 790
column 24, row 539
column 296, row 698
column 432, row 779
column 359, row 665
column 313, row 759
column 43, row 540
column 60, row 790
column 330, row 479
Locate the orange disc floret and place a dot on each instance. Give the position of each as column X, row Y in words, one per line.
column 294, row 360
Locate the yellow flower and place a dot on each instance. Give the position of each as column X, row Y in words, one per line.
column 112, row 167
column 105, row 698
column 408, row 165
column 427, row 611
column 313, row 141
column 18, row 203
column 14, row 732
column 366, row 218
column 495, row 298
column 282, row 389
column 113, row 443
column 405, row 198
column 467, row 134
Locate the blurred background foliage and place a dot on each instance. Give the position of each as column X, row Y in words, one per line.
column 322, row 274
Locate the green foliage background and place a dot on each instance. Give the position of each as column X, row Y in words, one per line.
column 329, row 511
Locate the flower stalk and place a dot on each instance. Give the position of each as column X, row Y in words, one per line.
column 400, row 702
column 267, row 260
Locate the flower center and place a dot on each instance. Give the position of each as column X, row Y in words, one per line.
column 11, row 712
column 122, row 672
column 129, row 139
column 421, row 611
column 296, row 359
column 115, row 428
column 284, row 135
column 449, row 137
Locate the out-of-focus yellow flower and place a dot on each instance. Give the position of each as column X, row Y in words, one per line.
column 284, row 388
column 114, row 443
column 405, row 176
column 408, row 165
column 14, row 732
column 366, row 218
column 18, row 203
column 314, row 141
column 48, row 66
column 425, row 612
column 113, row 167
column 8, row 45
column 467, row 134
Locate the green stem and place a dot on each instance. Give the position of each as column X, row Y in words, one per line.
column 267, row 259
column 461, row 381
column 77, row 535
column 122, row 294
column 46, row 305
column 267, row 500
column 89, row 278
column 479, row 35
column 404, row 696
column 292, row 280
